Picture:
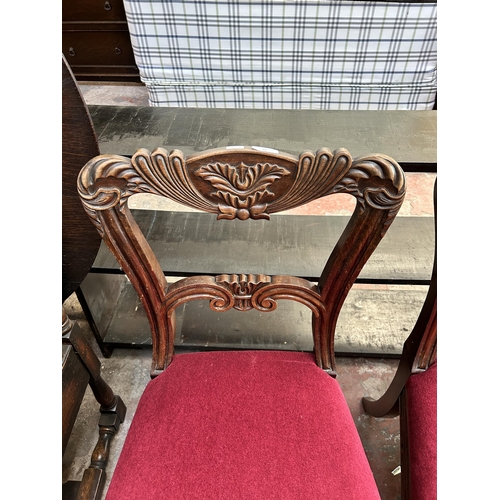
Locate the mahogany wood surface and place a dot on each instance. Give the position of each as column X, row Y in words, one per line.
column 242, row 183
column 419, row 349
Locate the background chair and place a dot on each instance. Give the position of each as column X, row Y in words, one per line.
column 80, row 364
column 413, row 395
column 259, row 424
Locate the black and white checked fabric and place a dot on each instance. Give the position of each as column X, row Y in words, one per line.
column 286, row 54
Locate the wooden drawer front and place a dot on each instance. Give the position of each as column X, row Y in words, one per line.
column 93, row 10
column 98, row 48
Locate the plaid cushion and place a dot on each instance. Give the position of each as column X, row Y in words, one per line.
column 282, row 54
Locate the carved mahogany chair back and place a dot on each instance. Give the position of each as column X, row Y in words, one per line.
column 242, row 183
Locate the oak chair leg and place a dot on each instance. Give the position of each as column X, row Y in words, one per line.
column 94, row 477
column 112, row 409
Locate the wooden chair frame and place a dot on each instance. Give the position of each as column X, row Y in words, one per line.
column 419, row 352
column 419, row 349
column 242, row 183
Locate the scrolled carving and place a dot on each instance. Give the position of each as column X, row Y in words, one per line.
column 243, row 189
column 166, row 174
column 375, row 180
column 243, row 292
column 199, row 287
column 241, row 184
column 242, row 287
column 287, row 287
column 108, row 180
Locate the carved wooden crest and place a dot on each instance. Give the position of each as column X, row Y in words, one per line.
column 243, row 190
column 243, row 184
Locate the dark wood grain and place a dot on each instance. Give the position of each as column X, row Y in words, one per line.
column 80, row 241
column 81, row 366
column 74, row 384
column 96, row 41
column 419, row 350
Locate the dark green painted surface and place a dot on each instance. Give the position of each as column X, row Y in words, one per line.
column 408, row 136
column 197, row 243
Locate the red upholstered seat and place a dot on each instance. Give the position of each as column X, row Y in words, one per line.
column 421, row 400
column 248, row 424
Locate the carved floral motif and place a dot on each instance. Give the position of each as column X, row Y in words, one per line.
column 243, row 190
column 243, row 286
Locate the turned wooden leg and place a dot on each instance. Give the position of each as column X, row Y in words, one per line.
column 94, row 476
column 73, row 335
column 112, row 409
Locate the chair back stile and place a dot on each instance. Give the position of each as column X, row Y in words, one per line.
column 242, row 183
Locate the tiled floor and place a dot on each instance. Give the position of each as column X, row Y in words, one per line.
column 127, row 370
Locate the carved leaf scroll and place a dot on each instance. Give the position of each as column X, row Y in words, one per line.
column 242, row 190
column 243, row 286
column 316, row 176
column 243, row 292
column 377, row 181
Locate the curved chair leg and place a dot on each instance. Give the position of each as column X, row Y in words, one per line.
column 419, row 348
column 388, row 403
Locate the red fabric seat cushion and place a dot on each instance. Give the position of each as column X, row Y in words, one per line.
column 248, row 424
column 421, row 400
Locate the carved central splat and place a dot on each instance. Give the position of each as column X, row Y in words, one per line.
column 243, row 286
column 242, row 190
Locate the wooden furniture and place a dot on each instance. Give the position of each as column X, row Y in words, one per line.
column 80, row 365
column 118, row 316
column 211, row 422
column 412, row 394
column 96, row 41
